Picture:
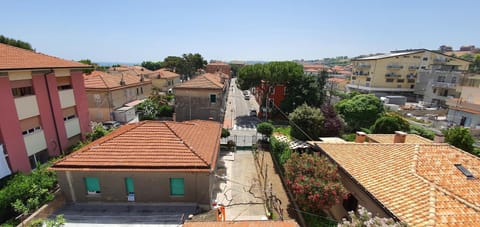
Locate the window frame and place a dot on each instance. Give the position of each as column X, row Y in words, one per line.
column 210, row 98
column 92, row 180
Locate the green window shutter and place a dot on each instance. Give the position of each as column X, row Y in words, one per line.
column 177, row 186
column 213, row 98
column 129, row 185
column 92, row 184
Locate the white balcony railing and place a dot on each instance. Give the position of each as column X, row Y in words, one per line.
column 67, row 98
column 27, row 106
column 35, row 142
column 72, row 127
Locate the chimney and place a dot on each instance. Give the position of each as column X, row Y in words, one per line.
column 174, row 117
column 122, row 81
column 399, row 137
column 439, row 138
column 142, row 78
column 360, row 137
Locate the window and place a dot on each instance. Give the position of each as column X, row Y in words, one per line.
column 22, row 91
column 354, row 78
column 400, row 80
column 368, row 79
column 399, row 86
column 92, row 185
column 129, row 186
column 141, row 90
column 454, row 80
column 138, row 91
column 38, row 158
column 412, row 86
column 68, row 117
column 425, row 59
column 441, row 79
column 32, row 130
column 416, row 56
column 389, row 80
column 64, row 87
column 213, row 98
column 177, row 187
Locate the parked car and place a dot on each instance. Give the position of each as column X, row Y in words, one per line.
column 246, row 95
column 253, row 113
column 110, row 125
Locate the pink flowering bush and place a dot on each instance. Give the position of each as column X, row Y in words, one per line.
column 365, row 218
column 314, row 182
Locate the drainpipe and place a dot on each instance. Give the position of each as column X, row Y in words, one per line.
column 51, row 111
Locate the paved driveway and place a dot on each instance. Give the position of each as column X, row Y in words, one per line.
column 240, row 190
column 125, row 214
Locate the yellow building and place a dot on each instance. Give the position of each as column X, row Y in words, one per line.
column 164, row 80
column 396, row 73
column 114, row 97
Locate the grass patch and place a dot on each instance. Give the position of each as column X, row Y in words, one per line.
column 285, row 130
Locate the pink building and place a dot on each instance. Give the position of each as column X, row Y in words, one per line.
column 43, row 108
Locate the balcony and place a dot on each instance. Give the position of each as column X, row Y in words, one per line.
column 361, row 73
column 73, row 127
column 413, row 67
column 363, row 66
column 67, row 98
column 27, row 106
column 444, row 85
column 392, row 75
column 394, row 67
column 440, row 60
column 411, row 76
column 35, row 142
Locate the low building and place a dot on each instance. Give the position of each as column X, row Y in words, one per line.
column 465, row 110
column 407, row 178
column 164, row 80
column 202, row 97
column 219, row 67
column 43, row 107
column 145, row 162
column 114, row 97
column 270, row 95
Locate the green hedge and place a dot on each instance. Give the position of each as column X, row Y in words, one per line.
column 27, row 192
column 280, row 150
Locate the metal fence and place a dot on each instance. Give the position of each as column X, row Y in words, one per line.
column 242, row 140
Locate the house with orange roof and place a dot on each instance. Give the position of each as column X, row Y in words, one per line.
column 202, row 97
column 407, row 178
column 43, row 108
column 145, row 162
column 164, row 80
column 465, row 110
column 219, row 67
column 114, row 97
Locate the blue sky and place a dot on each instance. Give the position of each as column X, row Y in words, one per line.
column 133, row 31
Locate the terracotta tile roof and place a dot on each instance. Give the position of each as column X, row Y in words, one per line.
column 418, row 183
column 204, row 81
column 103, row 80
column 12, row 58
column 150, row 146
column 286, row 223
column 388, row 138
column 337, row 80
column 166, row 74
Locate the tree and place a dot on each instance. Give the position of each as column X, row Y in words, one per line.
column 265, row 128
column 225, row 133
column 306, row 119
column 314, row 181
column 332, row 124
column 186, row 65
column 302, row 89
column 149, row 110
column 87, row 62
column 364, row 218
column 360, row 111
column 15, row 43
column 475, row 66
column 390, row 123
column 152, row 65
column 460, row 137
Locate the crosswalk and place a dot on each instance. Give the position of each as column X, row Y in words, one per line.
column 251, row 127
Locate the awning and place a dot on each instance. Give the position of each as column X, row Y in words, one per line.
column 134, row 103
column 4, row 169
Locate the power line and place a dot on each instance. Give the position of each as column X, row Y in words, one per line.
column 291, row 122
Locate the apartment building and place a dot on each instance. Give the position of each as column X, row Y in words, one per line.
column 164, row 80
column 43, row 105
column 465, row 110
column 396, row 73
column 114, row 97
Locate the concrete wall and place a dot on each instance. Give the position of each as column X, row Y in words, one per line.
column 149, row 187
column 193, row 104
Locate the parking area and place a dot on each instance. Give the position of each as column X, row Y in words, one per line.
column 125, row 214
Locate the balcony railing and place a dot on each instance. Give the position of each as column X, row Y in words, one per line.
column 392, row 75
column 394, row 66
column 440, row 60
column 444, row 85
column 413, row 67
column 361, row 73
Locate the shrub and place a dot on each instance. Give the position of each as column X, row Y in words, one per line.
column 390, row 123
column 265, row 128
column 421, row 131
column 365, row 218
column 460, row 137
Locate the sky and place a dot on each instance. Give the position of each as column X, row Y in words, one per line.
column 266, row 30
